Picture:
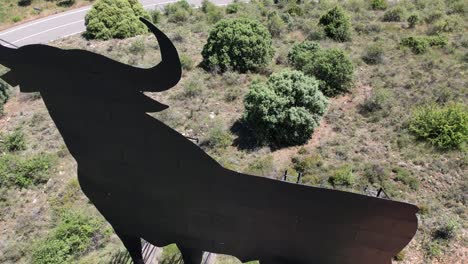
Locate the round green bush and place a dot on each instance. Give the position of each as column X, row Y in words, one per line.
column 239, row 44
column 333, row 68
column 445, row 127
column 302, row 53
column 115, row 19
column 336, row 24
column 286, row 109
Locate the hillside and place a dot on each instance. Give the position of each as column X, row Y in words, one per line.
column 365, row 133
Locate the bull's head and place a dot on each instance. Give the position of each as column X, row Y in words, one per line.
column 46, row 69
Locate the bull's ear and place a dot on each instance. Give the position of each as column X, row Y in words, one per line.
column 6, row 56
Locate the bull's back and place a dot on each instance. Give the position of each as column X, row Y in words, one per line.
column 254, row 218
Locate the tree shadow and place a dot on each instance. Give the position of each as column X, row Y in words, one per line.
column 246, row 139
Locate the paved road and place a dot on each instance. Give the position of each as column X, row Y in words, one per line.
column 66, row 24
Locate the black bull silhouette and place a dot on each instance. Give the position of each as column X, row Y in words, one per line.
column 150, row 182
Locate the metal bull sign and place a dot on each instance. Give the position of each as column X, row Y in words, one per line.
column 151, row 182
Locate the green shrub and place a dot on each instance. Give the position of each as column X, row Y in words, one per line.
column 306, row 164
column 457, row 7
column 302, row 53
column 447, row 25
column 413, row 19
column 156, row 16
column 433, row 16
column 239, row 44
column 334, row 69
column 170, row 255
column 447, row 230
column 432, row 249
column 16, row 19
column 192, row 88
column 75, row 233
column 343, row 176
column 395, row 14
column 379, row 4
column 289, row 101
column 24, row 172
column 186, row 62
column 379, row 99
column 437, row 41
column 115, row 19
column 219, row 138
column 294, row 9
column 367, row 28
column 232, row 8
column 213, row 13
column 4, row 88
column 275, row 24
column 14, row 141
column 418, row 45
column 445, row 127
column 376, row 174
column 261, row 166
column 178, row 12
column 336, row 24
column 137, row 46
column 374, row 54
column 405, row 177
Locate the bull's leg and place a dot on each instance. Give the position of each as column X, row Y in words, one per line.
column 191, row 255
column 133, row 245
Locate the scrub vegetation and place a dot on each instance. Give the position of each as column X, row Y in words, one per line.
column 354, row 95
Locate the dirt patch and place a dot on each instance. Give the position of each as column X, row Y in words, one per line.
column 325, row 131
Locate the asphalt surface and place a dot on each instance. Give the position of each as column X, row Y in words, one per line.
column 66, row 24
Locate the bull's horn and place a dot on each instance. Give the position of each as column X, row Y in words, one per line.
column 5, row 55
column 168, row 72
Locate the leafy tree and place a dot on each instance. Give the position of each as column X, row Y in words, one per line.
column 286, row 109
column 115, row 19
column 239, row 44
column 333, row 68
column 445, row 127
column 336, row 24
